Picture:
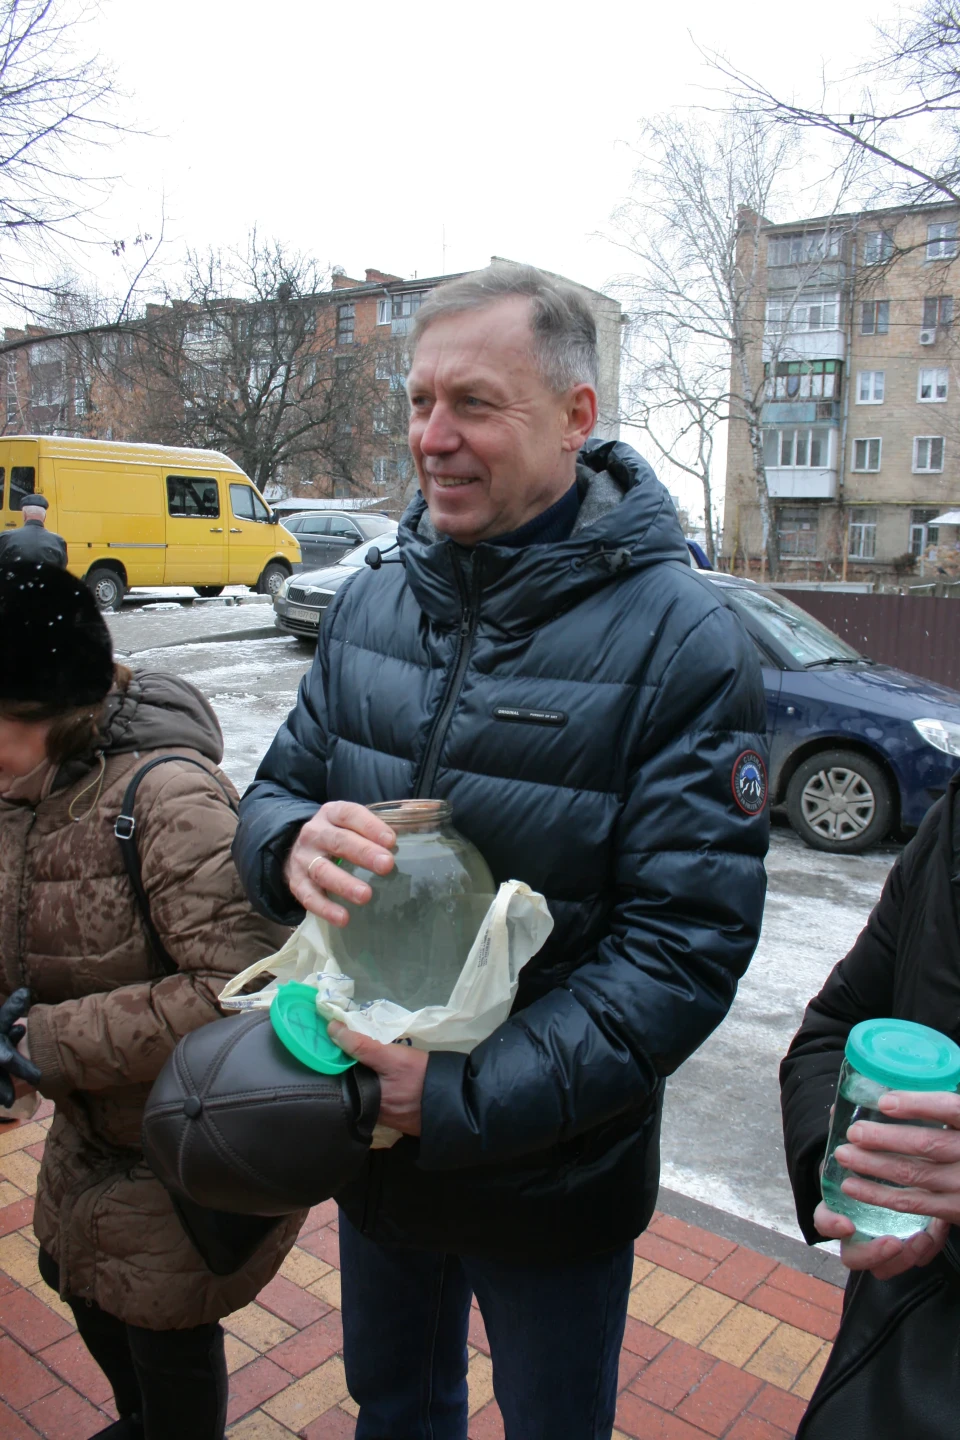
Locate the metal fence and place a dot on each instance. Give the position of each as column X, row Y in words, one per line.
column 918, row 634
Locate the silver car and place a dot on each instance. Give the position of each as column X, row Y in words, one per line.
column 302, row 598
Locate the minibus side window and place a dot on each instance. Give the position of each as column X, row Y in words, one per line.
column 246, row 504
column 22, row 483
column 190, row 496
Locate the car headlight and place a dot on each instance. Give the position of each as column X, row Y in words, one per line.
column 942, row 734
column 282, row 592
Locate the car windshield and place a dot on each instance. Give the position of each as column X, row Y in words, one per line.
column 355, row 558
column 805, row 640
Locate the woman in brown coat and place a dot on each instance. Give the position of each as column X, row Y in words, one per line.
column 74, row 730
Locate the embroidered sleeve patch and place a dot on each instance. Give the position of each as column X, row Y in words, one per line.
column 749, row 782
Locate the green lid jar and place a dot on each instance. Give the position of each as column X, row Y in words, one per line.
column 882, row 1055
column 902, row 1055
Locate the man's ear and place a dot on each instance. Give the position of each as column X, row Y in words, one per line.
column 579, row 417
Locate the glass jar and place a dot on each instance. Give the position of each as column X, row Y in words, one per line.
column 410, row 941
column 884, row 1055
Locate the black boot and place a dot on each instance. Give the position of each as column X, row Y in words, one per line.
column 128, row 1427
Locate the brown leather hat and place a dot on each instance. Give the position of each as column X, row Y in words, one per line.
column 236, row 1123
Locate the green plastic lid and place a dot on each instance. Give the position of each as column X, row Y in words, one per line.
column 904, row 1055
column 303, row 1030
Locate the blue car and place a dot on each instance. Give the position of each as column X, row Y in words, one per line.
column 858, row 750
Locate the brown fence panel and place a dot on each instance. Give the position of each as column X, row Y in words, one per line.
column 918, row 634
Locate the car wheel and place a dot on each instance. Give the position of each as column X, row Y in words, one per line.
column 839, row 801
column 107, row 586
column 208, row 592
column 271, row 579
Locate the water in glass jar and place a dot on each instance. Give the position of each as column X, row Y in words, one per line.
column 410, row 942
column 871, row 1220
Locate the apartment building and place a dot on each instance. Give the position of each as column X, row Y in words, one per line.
column 358, row 333
column 854, row 353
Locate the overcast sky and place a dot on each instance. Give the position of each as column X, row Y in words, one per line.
column 423, row 139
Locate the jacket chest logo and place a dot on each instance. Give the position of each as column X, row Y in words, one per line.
column 518, row 716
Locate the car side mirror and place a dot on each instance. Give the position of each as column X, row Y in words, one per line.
column 273, row 518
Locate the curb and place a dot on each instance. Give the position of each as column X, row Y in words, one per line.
column 795, row 1253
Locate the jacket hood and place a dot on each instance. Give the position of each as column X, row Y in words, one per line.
column 626, row 522
column 160, row 712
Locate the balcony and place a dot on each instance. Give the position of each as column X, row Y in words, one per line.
column 801, row 412
column 801, row 482
column 803, row 344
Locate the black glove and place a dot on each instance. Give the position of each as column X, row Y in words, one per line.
column 11, row 1061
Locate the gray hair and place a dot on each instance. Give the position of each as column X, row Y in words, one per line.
column 563, row 327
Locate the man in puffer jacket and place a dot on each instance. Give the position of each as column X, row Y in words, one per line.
column 545, row 659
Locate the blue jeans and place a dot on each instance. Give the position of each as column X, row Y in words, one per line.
column 555, row 1333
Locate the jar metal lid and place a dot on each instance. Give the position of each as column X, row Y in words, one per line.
column 302, row 1029
column 904, row 1055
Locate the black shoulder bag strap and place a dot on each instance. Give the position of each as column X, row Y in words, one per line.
column 125, row 830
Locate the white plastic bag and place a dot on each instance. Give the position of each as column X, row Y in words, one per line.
column 516, row 925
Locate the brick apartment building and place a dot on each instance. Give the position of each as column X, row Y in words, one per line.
column 855, row 349
column 45, row 388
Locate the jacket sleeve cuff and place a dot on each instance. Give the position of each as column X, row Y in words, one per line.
column 442, row 1121
column 45, row 1053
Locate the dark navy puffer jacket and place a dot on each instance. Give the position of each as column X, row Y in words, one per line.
column 545, row 1140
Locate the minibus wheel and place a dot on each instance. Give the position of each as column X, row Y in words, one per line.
column 107, row 586
column 208, row 592
column 272, row 578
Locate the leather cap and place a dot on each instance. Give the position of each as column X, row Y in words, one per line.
column 234, row 1122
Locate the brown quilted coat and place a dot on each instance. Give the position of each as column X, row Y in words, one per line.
column 105, row 1018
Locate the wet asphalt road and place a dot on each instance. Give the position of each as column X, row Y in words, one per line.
column 721, row 1132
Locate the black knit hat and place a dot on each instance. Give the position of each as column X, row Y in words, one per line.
column 55, row 648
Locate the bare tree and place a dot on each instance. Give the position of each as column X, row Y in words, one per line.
column 244, row 356
column 56, row 105
column 677, row 396
column 899, row 111
column 694, row 226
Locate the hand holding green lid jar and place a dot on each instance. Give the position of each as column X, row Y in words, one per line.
column 883, row 1055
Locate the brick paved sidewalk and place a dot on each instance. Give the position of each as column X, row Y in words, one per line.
column 721, row 1341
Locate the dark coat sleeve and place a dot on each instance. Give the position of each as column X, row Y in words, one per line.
column 690, row 890
column 860, row 987
column 287, row 791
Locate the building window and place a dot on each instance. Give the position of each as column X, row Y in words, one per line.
column 870, row 385
column 932, row 385
column 381, row 420
column 381, row 470
column 801, row 249
column 803, row 449
column 937, row 312
column 408, row 304
column 863, row 535
column 803, row 380
column 866, row 454
column 384, row 310
column 384, row 369
column 927, row 453
column 923, row 535
column 877, row 247
column 790, row 314
column 797, row 531
column 345, row 324
column 79, row 398
column 942, row 241
column 875, row 317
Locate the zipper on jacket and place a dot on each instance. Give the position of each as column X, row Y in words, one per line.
column 469, row 618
